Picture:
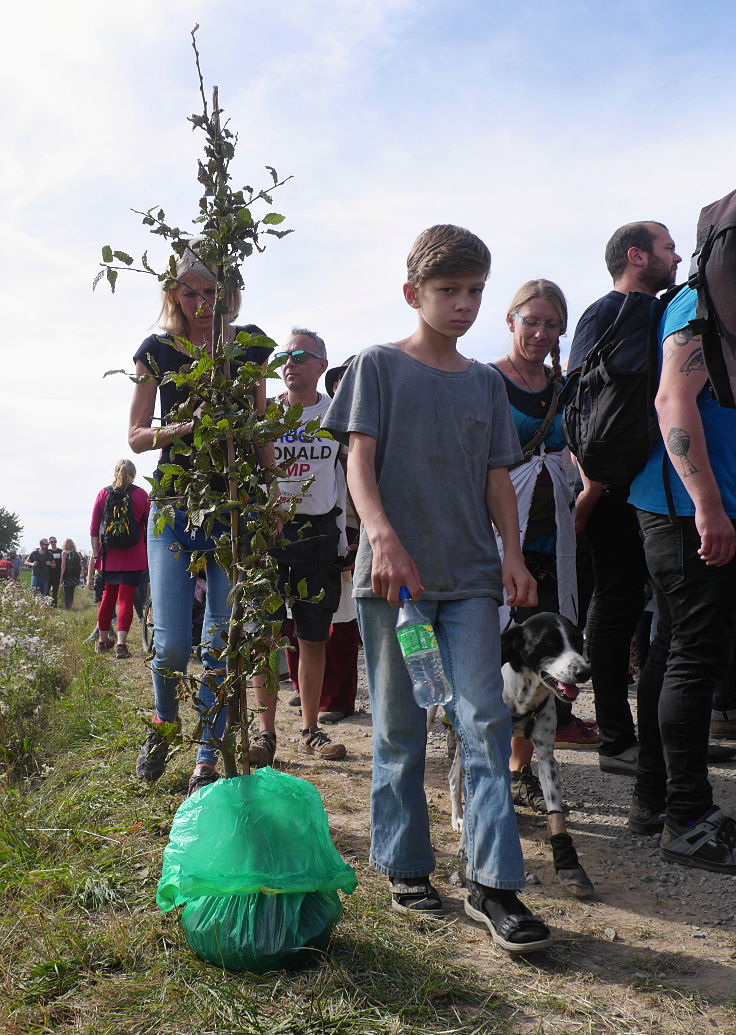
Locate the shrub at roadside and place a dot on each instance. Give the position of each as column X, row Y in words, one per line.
column 33, row 672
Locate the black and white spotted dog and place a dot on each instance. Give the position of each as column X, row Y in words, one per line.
column 541, row 659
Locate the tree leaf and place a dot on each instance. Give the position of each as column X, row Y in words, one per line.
column 273, row 218
column 112, row 276
column 107, row 255
column 123, row 257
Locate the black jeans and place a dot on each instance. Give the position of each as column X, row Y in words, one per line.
column 688, row 659
column 614, row 611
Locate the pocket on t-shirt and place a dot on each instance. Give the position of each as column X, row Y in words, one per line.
column 474, row 435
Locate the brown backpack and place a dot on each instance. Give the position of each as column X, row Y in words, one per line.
column 713, row 275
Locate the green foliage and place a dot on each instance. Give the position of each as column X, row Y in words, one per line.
column 10, row 530
column 33, row 670
column 217, row 473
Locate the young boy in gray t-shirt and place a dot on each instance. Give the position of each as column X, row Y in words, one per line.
column 430, row 440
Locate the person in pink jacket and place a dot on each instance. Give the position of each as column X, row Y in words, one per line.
column 121, row 567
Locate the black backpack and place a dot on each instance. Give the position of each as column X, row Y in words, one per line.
column 73, row 566
column 119, row 528
column 608, row 415
column 713, row 275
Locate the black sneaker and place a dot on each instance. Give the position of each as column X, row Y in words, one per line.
column 527, row 790
column 154, row 750
column 710, row 844
column 643, row 820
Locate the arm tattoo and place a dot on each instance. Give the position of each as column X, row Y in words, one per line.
column 694, row 363
column 678, row 443
column 683, row 336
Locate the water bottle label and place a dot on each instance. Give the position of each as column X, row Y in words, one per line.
column 416, row 638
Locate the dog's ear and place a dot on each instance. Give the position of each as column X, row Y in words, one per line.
column 511, row 643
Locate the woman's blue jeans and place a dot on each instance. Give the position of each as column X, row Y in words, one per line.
column 468, row 636
column 172, row 596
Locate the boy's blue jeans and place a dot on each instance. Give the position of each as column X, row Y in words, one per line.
column 172, row 596
column 468, row 636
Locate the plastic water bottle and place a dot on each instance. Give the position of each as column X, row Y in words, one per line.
column 421, row 654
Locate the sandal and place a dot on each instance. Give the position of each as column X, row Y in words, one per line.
column 513, row 927
column 415, row 895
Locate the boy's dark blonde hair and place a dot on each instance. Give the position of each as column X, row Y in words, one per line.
column 443, row 250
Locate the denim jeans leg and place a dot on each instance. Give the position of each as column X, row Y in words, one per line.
column 614, row 611
column 172, row 596
column 702, row 621
column 468, row 637
column 214, row 624
column 467, row 633
column 400, row 844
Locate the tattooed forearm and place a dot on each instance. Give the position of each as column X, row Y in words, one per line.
column 694, row 363
column 678, row 443
column 683, row 337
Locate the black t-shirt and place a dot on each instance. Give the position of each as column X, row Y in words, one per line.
column 39, row 561
column 596, row 319
column 160, row 350
column 55, row 573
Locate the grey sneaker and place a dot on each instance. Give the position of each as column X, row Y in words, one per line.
column 527, row 790
column 709, row 844
column 643, row 820
column 623, row 764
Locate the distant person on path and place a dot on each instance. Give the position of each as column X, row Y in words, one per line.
column 41, row 564
column 186, row 312
column 71, row 569
column 640, row 257
column 6, row 569
column 17, row 561
column 55, row 572
column 431, row 438
column 121, row 567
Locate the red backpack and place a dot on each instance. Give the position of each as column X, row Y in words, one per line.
column 713, row 275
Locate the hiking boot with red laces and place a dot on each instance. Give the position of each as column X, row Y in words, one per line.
column 577, row 736
column 315, row 741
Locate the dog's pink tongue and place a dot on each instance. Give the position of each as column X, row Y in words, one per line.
column 569, row 690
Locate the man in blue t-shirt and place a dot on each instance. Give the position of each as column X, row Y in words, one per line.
column 689, row 547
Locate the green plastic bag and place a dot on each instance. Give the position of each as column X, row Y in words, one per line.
column 253, row 860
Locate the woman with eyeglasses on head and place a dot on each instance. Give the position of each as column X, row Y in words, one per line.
column 186, row 312
column 536, row 319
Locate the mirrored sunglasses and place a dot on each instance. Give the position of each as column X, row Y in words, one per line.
column 296, row 356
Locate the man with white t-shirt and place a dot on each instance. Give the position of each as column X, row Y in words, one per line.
column 314, row 537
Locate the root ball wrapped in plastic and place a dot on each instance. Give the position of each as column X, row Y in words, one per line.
column 253, row 861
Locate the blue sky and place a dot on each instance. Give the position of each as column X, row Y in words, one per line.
column 541, row 126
